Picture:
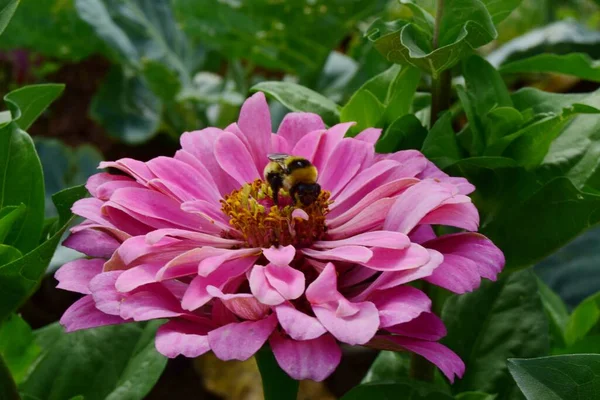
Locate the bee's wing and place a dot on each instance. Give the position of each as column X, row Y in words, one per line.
column 279, row 158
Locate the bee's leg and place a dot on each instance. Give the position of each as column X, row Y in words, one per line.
column 293, row 191
column 276, row 184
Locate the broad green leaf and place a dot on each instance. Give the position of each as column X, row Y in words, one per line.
column 210, row 89
column 8, row 254
column 465, row 25
column 364, row 109
column 336, row 76
column 557, row 314
column 21, row 182
column 73, row 41
column 8, row 388
column 499, row 10
column 28, row 102
column 567, row 377
column 404, row 133
column 475, row 396
column 7, row 9
column 163, row 82
column 440, row 145
column 113, row 363
column 560, row 37
column 562, row 271
column 401, row 93
column 299, row 98
column 407, row 389
column 294, row 36
column 17, row 346
column 527, row 218
column 19, row 279
column 583, row 319
column 499, row 320
column 387, row 367
column 576, row 64
column 588, row 344
column 275, row 382
column 502, row 121
column 126, row 107
column 8, row 216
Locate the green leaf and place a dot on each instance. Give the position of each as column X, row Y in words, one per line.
column 499, row 320
column 364, row 109
column 387, row 367
column 21, row 182
column 126, row 107
column 7, row 9
column 276, row 383
column 576, row 64
column 527, row 218
column 8, row 389
column 568, row 377
column 294, row 36
column 557, row 313
column 8, row 216
column 112, row 362
column 8, row 254
column 28, row 102
column 583, row 319
column 209, row 88
column 440, row 145
column 465, row 26
column 73, row 41
column 300, row 98
column 475, row 396
column 401, row 93
column 404, row 133
column 407, row 389
column 19, row 279
column 163, row 82
column 499, row 10
column 17, row 346
column 560, row 37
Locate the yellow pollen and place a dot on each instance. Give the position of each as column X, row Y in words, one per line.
column 260, row 223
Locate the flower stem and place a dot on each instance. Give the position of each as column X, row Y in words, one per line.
column 420, row 368
column 276, row 383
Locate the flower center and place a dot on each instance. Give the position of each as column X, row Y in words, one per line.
column 260, row 223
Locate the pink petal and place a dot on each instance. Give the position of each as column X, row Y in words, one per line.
column 356, row 329
column 244, row 305
column 369, row 135
column 75, row 276
column 197, row 295
column 97, row 180
column 367, row 219
column 461, row 214
column 262, row 289
column 328, row 142
column 200, row 239
column 154, row 303
column 324, row 288
column 255, row 123
column 297, row 324
column 90, row 208
column 106, row 190
column 297, row 124
column 83, row 315
column 381, row 239
column 414, row 204
column 135, row 168
column 411, row 257
column 399, row 304
column 314, row 359
column 185, row 178
column 343, row 164
column 235, row 159
column 289, row 282
column 239, row 341
column 444, row 358
column 106, row 296
column 426, row 326
column 201, row 144
column 92, row 243
column 137, row 276
column 187, row 338
column 413, row 162
column 422, row 234
column 343, row 253
column 280, row 255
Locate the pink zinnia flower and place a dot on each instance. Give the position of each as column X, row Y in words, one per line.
column 196, row 239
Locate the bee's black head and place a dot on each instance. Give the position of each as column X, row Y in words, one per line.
column 307, row 193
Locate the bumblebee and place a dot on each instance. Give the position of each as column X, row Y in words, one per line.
column 294, row 174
